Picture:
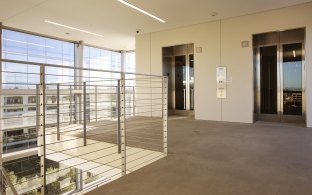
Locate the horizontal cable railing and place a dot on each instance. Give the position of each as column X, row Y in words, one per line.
column 68, row 133
column 6, row 186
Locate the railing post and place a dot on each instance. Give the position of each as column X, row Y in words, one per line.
column 37, row 110
column 118, row 117
column 79, row 108
column 2, row 184
column 84, row 113
column 28, row 140
column 58, row 111
column 165, row 114
column 1, row 100
column 122, row 104
column 96, row 106
column 5, row 141
column 70, row 104
column 114, row 113
column 41, row 141
column 5, row 183
column 79, row 179
column 1, row 129
column 133, row 101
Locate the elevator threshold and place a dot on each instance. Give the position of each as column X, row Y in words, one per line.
column 273, row 118
column 280, row 119
column 274, row 123
column 189, row 113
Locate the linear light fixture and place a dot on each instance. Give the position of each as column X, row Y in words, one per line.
column 73, row 28
column 294, row 53
column 142, row 11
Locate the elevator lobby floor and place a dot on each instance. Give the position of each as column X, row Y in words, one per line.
column 217, row 158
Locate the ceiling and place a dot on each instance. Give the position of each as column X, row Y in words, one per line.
column 118, row 23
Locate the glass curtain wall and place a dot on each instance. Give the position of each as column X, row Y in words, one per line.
column 100, row 59
column 19, row 97
column 24, row 78
column 19, row 102
column 130, row 62
column 102, row 94
column 129, row 66
column 32, row 48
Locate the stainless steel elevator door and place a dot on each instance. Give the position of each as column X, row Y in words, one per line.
column 292, row 79
column 191, row 80
column 180, row 82
column 279, row 76
column 268, row 80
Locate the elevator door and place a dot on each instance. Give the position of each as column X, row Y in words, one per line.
column 268, row 80
column 279, row 85
column 191, row 80
column 180, row 82
column 292, row 69
column 178, row 65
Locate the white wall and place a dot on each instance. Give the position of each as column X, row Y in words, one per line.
column 238, row 107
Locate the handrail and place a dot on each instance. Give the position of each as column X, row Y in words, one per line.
column 5, row 182
column 91, row 120
column 75, row 68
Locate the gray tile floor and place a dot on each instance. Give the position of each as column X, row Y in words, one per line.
column 225, row 159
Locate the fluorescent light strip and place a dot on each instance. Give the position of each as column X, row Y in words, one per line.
column 142, row 11
column 294, row 53
column 73, row 28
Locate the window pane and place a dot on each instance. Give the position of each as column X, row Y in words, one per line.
column 100, row 59
column 33, row 48
column 130, row 62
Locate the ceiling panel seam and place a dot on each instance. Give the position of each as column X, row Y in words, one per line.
column 25, row 10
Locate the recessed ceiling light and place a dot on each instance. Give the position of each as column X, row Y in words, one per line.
column 142, row 11
column 213, row 14
column 73, row 28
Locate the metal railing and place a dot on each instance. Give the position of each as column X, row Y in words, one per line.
column 6, row 186
column 89, row 130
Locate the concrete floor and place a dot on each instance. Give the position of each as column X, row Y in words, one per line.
column 142, row 132
column 225, row 159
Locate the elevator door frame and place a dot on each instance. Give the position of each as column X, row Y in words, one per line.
column 187, row 111
column 279, row 117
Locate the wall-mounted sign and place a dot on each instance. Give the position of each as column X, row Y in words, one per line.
column 245, row 43
column 199, row 49
column 221, row 82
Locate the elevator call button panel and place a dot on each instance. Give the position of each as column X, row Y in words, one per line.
column 221, row 82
